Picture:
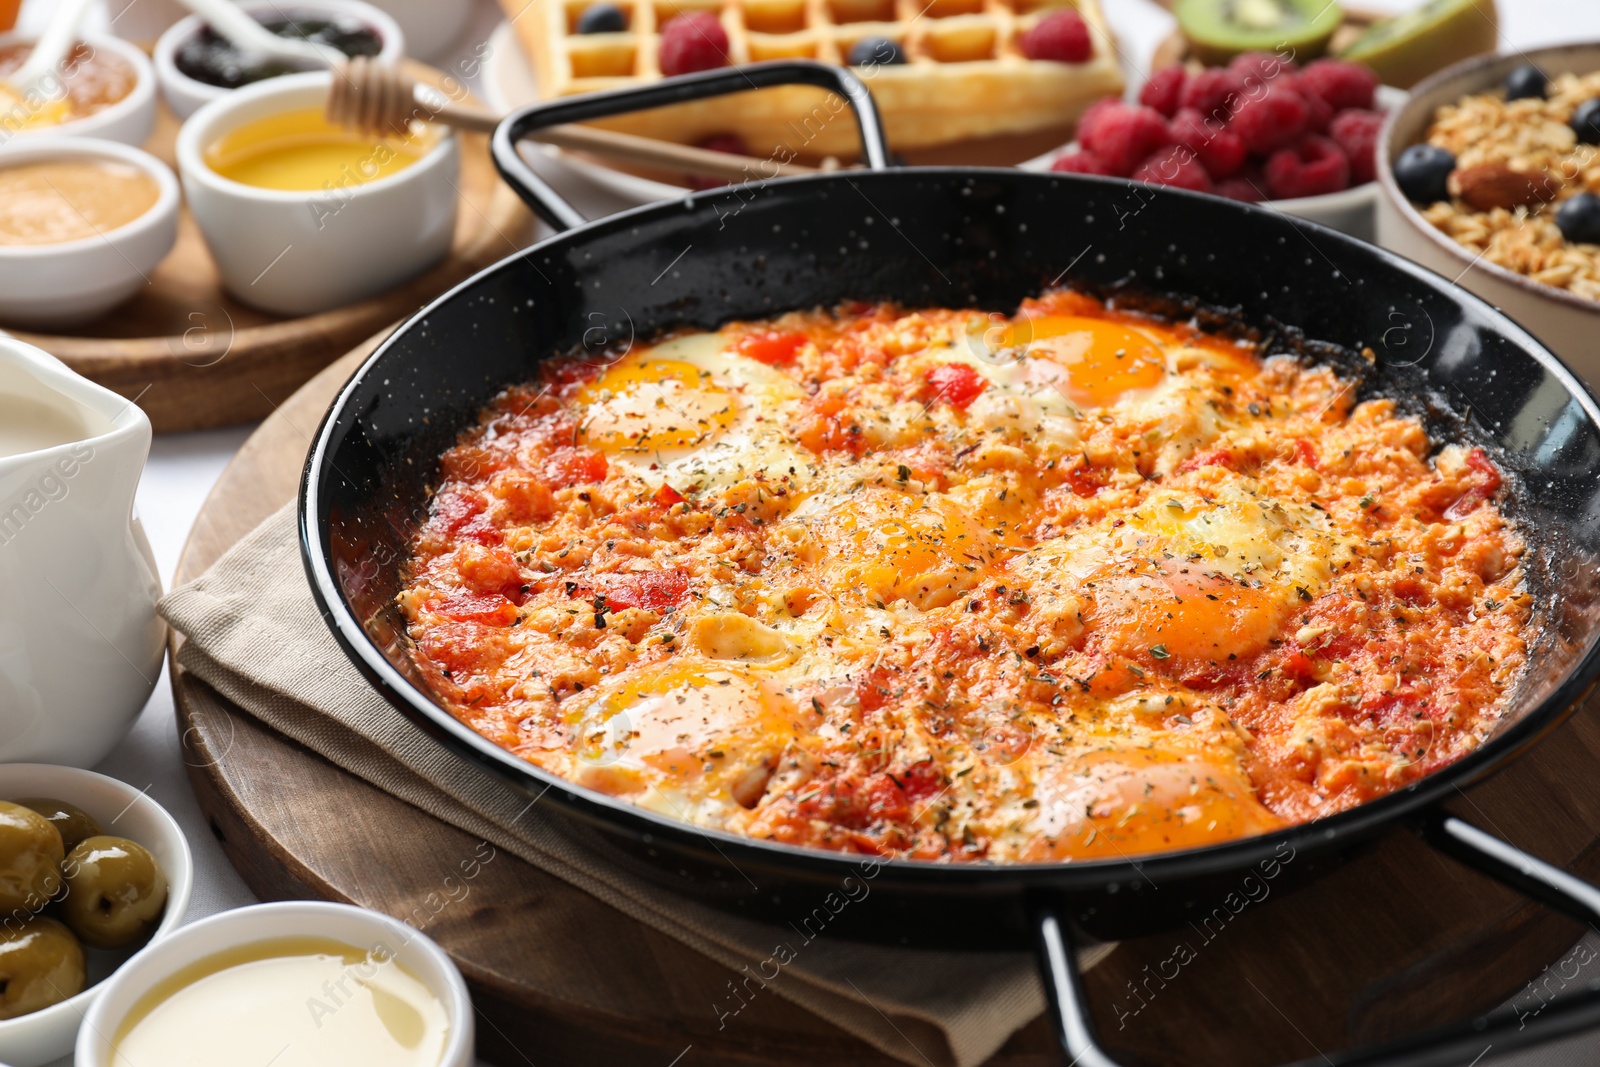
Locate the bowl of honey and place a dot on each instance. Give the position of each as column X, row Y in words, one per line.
column 302, row 216
column 83, row 222
column 104, row 87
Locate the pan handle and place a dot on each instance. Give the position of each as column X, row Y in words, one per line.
column 1449, row 1046
column 563, row 216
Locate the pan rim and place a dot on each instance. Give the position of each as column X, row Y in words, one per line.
column 615, row 814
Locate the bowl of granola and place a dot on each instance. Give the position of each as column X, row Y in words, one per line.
column 1490, row 175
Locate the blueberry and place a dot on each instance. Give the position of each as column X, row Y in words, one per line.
column 1579, row 219
column 1526, row 81
column 1422, row 172
column 871, row 51
column 1586, row 122
column 602, row 18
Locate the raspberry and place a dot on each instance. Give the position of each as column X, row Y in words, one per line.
column 1081, row 162
column 1124, row 136
column 1174, row 165
column 1093, row 113
column 1356, row 133
column 1163, row 89
column 1219, row 149
column 1262, row 65
column 1269, row 122
column 1310, row 168
column 1061, row 36
column 692, row 42
column 1319, row 113
column 1207, row 91
column 1241, row 189
column 1342, row 84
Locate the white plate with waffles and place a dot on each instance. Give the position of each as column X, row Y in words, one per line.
column 1010, row 108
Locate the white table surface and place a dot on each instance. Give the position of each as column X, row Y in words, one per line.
column 183, row 467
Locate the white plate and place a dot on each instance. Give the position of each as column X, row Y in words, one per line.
column 509, row 83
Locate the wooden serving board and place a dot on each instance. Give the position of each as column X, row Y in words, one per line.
column 194, row 357
column 1397, row 939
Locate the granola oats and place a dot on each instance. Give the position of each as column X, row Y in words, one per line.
column 1533, row 136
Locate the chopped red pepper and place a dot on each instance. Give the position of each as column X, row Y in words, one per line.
column 772, row 348
column 655, row 591
column 956, row 384
column 667, row 496
column 1485, row 487
column 491, row 609
column 569, row 466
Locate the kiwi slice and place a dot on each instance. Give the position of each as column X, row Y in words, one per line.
column 1218, row 30
column 1409, row 47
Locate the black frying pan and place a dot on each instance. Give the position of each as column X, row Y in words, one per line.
column 985, row 238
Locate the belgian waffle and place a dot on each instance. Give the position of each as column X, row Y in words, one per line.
column 965, row 78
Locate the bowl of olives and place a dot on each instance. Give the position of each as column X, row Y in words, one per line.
column 91, row 870
column 1481, row 178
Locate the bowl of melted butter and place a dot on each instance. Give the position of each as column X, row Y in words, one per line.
column 302, row 984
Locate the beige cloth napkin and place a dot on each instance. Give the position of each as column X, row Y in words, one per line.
column 255, row 636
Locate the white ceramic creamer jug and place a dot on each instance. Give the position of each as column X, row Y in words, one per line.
column 80, row 642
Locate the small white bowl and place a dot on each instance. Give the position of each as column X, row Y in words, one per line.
column 431, row 26
column 298, row 253
column 73, row 282
column 263, row 922
column 185, row 95
column 1566, row 322
column 128, row 121
column 1349, row 210
column 121, row 810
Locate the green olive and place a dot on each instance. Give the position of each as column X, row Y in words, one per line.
column 30, row 861
column 41, row 964
column 116, row 892
column 72, row 822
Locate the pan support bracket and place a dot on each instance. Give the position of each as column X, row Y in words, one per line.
column 1447, row 1046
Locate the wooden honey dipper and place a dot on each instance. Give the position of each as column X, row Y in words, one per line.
column 374, row 98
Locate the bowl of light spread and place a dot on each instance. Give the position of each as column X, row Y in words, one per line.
column 104, row 87
column 319, row 985
column 195, row 65
column 82, row 224
column 302, row 216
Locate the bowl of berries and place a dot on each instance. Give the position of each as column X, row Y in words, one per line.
column 1488, row 177
column 1263, row 130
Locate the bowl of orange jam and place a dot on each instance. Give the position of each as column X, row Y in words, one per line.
column 302, row 216
column 83, row 222
column 104, row 87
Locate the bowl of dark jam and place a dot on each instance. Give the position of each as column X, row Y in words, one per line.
column 195, row 64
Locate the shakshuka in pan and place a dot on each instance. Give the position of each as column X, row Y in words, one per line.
column 1080, row 582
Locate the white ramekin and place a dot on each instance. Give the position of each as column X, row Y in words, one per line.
column 73, row 282
column 430, row 26
column 263, row 922
column 129, row 120
column 185, row 96
column 121, row 810
column 298, row 253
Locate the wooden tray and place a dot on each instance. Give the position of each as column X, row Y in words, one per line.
column 193, row 357
column 1395, row 940
column 1174, row 48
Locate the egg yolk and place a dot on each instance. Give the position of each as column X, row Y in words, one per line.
column 644, row 405
column 1103, row 359
column 1185, row 611
column 689, row 721
column 1111, row 805
column 924, row 553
